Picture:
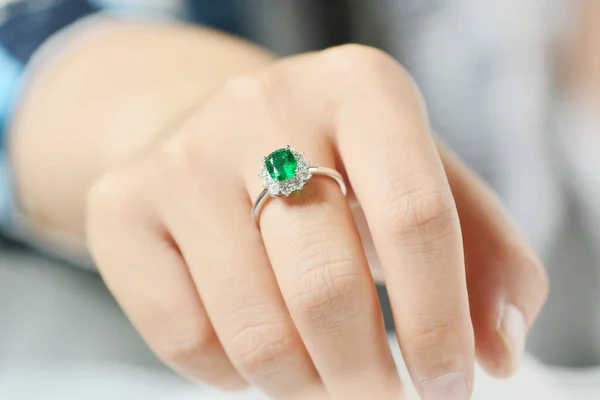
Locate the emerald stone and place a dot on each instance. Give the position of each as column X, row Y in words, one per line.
column 281, row 164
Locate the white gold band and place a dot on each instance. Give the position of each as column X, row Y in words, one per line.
column 263, row 197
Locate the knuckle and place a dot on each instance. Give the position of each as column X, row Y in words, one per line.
column 111, row 197
column 371, row 69
column 186, row 348
column 172, row 155
column 176, row 166
column 428, row 334
column 249, row 92
column 328, row 289
column 361, row 59
column 262, row 348
column 426, row 213
column 173, row 160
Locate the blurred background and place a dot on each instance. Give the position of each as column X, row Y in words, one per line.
column 513, row 86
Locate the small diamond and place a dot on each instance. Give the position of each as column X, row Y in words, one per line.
column 303, row 164
column 273, row 188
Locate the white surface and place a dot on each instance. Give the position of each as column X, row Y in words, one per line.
column 62, row 337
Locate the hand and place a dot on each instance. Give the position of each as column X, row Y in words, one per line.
column 290, row 306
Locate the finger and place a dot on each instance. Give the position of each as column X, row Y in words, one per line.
column 398, row 178
column 223, row 248
column 313, row 243
column 149, row 279
column 322, row 270
column 507, row 283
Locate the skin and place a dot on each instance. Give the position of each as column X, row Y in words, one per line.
column 580, row 65
column 160, row 174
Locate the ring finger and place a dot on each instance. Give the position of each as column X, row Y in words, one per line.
column 322, row 271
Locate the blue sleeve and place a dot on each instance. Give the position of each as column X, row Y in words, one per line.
column 11, row 72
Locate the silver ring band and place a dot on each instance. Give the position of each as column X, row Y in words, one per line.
column 263, row 197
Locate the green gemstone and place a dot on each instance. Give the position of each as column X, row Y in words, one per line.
column 281, row 164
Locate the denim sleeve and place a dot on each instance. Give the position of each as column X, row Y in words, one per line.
column 11, row 72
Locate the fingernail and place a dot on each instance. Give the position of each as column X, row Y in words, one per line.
column 452, row 386
column 513, row 331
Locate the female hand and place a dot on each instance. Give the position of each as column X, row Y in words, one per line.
column 289, row 305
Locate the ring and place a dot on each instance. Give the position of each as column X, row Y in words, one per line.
column 285, row 171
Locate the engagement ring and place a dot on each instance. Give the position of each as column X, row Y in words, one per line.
column 285, row 171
